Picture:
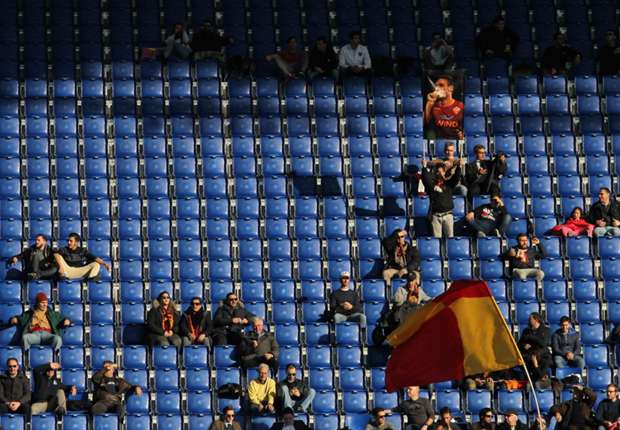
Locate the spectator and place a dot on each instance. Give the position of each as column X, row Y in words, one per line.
column 323, row 60
column 609, row 55
column 445, row 112
column 227, row 420
column 41, row 325
column 420, row 414
column 109, row 389
column 446, row 419
column 608, row 411
column 162, row 322
column 480, row 381
column 408, row 298
column 296, row 394
column 490, row 219
column 605, row 215
column 378, row 421
column 560, row 58
column 575, row 225
column 452, row 166
column 75, row 262
column 485, row 420
column 521, row 258
column 534, row 346
column 566, row 346
column 439, row 56
column 259, row 347
column 230, row 319
column 440, row 191
column 37, row 261
column 482, row 176
column 196, row 325
column 511, row 422
column 289, row 422
column 496, row 40
column 402, row 258
column 345, row 304
column 177, row 43
column 576, row 413
column 49, row 393
column 354, row 59
column 292, row 61
column 208, row 43
column 262, row 392
column 14, row 390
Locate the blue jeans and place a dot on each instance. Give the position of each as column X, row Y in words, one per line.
column 303, row 404
column 577, row 361
column 41, row 338
column 607, row 231
column 356, row 317
column 487, row 227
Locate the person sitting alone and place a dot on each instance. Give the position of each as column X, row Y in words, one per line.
column 354, row 59
column 262, row 392
column 566, row 346
column 489, row 219
column 76, row 262
column 292, row 61
column 162, row 322
column 560, row 58
column 408, row 299
column 521, row 258
column 345, row 303
column 37, row 260
column 496, row 40
column 196, row 325
column 259, row 347
column 323, row 61
column 49, row 393
column 439, row 56
column 402, row 258
column 109, row 389
column 576, row 225
column 207, row 43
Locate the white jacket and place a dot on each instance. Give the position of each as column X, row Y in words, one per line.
column 350, row 57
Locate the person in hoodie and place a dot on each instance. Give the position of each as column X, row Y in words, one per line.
column 229, row 321
column 14, row 390
column 489, row 219
column 605, row 214
column 259, row 346
column 109, row 390
column 521, row 258
column 440, row 191
column 566, row 346
column 575, row 225
column 196, row 325
column 49, row 393
column 162, row 322
column 37, row 260
column 402, row 258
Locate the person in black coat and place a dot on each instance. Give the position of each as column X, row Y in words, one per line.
column 162, row 322
column 323, row 60
column 496, row 40
column 440, row 190
column 402, row 258
column 482, row 175
column 37, row 261
column 229, row 320
column 49, row 393
column 196, row 326
column 576, row 413
column 534, row 346
column 15, row 392
column 560, row 57
column 489, row 219
column 207, row 43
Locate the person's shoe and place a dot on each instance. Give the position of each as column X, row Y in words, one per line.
column 32, row 276
column 481, row 234
column 60, row 411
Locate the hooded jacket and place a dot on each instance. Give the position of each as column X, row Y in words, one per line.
column 15, row 389
column 154, row 319
column 412, row 256
column 225, row 314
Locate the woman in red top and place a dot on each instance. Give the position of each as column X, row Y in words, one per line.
column 575, row 225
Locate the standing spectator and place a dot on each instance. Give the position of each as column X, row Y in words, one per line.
column 14, row 390
column 354, row 59
column 109, row 389
column 208, row 43
column 605, row 214
column 560, row 58
column 608, row 411
column 259, row 347
column 296, row 394
column 534, row 346
column 445, row 112
column 481, row 175
column 452, row 165
column 323, row 60
column 576, row 413
column 440, row 191
column 485, row 422
column 49, row 393
column 177, row 43
column 489, row 219
column 566, row 346
column 496, row 40
column 229, row 320
column 439, row 56
column 262, row 392
column 402, row 258
column 37, row 261
column 420, row 414
column 609, row 55
column 378, row 421
column 345, row 304
column 511, row 422
column 196, row 325
column 521, row 258
column 575, row 225
column 408, row 298
column 162, row 322
column 292, row 61
column 76, row 262
column 289, row 422
column 41, row 325
column 227, row 420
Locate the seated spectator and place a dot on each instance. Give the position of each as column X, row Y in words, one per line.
column 443, row 113
column 482, row 175
column 49, row 393
column 37, row 261
column 608, row 411
column 485, row 422
column 75, row 262
column 292, row 61
column 496, row 40
column 345, row 304
column 446, row 419
column 408, row 298
column 402, row 258
column 354, row 59
column 177, row 43
column 14, row 390
column 534, row 346
column 289, row 422
column 521, row 258
column 227, row 420
column 418, row 409
column 575, row 225
column 560, row 58
column 490, row 219
column 440, row 191
column 605, row 214
column 511, row 422
column 262, row 392
column 576, row 413
column 41, row 325
column 439, row 56
column 609, row 55
column 566, row 346
column 162, row 322
column 480, row 381
column 196, row 325
column 452, row 166
column 259, row 347
column 323, row 60
column 229, row 321
column 378, row 421
column 208, row 43
column 296, row 394
column 109, row 389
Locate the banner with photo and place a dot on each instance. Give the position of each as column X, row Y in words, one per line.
column 444, row 106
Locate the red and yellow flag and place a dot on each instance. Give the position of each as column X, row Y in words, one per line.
column 461, row 332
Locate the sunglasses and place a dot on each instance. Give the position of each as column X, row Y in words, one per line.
column 292, row 374
column 196, row 303
column 230, row 415
column 488, row 416
column 402, row 236
column 13, row 367
column 380, row 417
column 232, row 300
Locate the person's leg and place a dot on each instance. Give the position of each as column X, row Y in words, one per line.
column 99, row 408
column 578, row 361
column 175, row 340
column 38, row 408
column 286, row 397
column 358, row 318
column 169, row 47
column 447, row 224
column 92, row 270
column 339, row 318
column 504, row 223
column 559, row 361
column 249, row 361
column 460, row 190
column 283, row 66
column 61, row 401
column 388, row 274
column 48, row 273
column 186, row 341
column 219, row 337
column 3, row 408
column 183, row 51
column 538, row 274
column 30, row 339
column 600, row 231
column 158, row 340
column 520, row 274
column 51, row 339
column 436, row 225
column 305, row 403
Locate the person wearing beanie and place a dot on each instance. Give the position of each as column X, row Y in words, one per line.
column 162, row 322
column 41, row 325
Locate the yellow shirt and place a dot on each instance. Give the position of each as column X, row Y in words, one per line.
column 39, row 319
column 259, row 392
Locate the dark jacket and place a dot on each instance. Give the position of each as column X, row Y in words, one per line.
column 556, row 57
column 339, row 296
column 299, row 384
column 266, row 343
column 208, row 40
column 495, row 169
column 45, row 388
column 14, row 389
column 102, row 392
column 561, row 343
column 326, row 61
column 479, row 426
column 220, row 425
column 577, row 414
column 412, row 256
column 225, row 314
column 495, row 40
column 537, row 338
column 205, row 326
column 533, row 252
column 608, row 411
column 154, row 322
column 297, row 425
column 606, row 213
column 609, row 60
column 490, row 213
column 505, row 426
column 55, row 319
column 78, row 258
column 440, row 196
column 27, row 254
column 417, row 411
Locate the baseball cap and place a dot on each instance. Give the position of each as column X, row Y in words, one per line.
column 345, row 274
